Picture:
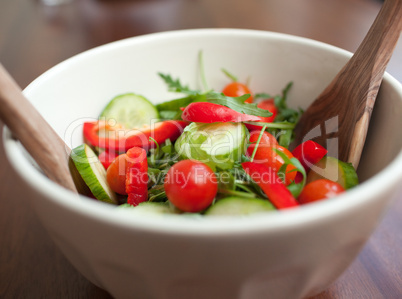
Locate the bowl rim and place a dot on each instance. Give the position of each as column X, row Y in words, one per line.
column 388, row 178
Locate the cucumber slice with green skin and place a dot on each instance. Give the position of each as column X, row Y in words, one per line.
column 334, row 170
column 93, row 173
column 130, row 110
column 150, row 207
column 232, row 206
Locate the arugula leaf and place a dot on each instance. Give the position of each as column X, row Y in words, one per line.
column 285, row 138
column 275, row 125
column 262, row 96
column 176, row 104
column 237, row 104
column 170, row 115
column 284, row 112
column 176, row 86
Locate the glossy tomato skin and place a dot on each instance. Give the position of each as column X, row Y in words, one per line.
column 319, row 190
column 116, row 174
column 236, row 89
column 270, row 158
column 267, row 139
column 269, row 105
column 191, row 186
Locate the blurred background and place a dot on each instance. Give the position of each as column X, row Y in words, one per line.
column 37, row 34
column 51, row 33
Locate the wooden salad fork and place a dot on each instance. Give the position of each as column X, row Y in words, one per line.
column 342, row 111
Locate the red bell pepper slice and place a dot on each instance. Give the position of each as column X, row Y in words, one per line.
column 308, row 153
column 271, row 184
column 136, row 176
column 204, row 112
column 123, row 140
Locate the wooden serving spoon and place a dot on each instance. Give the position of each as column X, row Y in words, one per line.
column 343, row 110
column 37, row 136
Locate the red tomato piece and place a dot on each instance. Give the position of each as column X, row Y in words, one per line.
column 190, row 185
column 135, row 164
column 116, row 174
column 267, row 139
column 269, row 105
column 236, row 89
column 136, row 176
column 270, row 158
column 318, row 190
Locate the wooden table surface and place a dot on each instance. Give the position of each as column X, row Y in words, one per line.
column 35, row 37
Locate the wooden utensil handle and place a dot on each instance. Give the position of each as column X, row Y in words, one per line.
column 377, row 47
column 32, row 130
column 343, row 110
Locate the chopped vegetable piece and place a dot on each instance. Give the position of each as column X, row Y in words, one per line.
column 136, row 176
column 116, row 174
column 239, row 206
column 269, row 105
column 308, row 153
column 267, row 140
column 93, row 173
column 191, row 186
column 270, row 158
column 119, row 140
column 130, row 110
column 267, row 179
column 335, row 170
column 205, row 112
column 217, row 144
column 318, row 190
column 236, row 89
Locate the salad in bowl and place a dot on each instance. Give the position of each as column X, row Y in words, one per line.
column 207, row 152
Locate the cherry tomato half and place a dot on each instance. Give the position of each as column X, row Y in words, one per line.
column 270, row 158
column 267, row 139
column 116, row 174
column 236, row 89
column 190, row 185
column 318, row 190
column 269, row 105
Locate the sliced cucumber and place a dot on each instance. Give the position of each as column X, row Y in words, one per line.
column 335, row 170
column 93, row 173
column 239, row 206
column 130, row 110
column 215, row 144
column 150, row 207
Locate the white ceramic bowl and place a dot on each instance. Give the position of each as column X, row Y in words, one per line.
column 287, row 254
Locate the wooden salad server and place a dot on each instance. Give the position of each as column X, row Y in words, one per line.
column 44, row 145
column 343, row 110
